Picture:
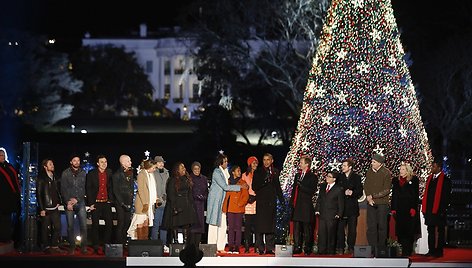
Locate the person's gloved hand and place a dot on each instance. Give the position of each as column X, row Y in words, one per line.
column 412, row 212
column 393, row 212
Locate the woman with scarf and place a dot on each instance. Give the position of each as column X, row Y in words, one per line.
column 405, row 193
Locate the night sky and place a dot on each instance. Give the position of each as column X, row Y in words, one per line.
column 418, row 20
column 69, row 20
column 424, row 25
column 421, row 22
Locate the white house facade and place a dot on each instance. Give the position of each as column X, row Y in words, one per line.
column 168, row 62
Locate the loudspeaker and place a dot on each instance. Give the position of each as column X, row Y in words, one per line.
column 145, row 248
column 283, row 250
column 114, row 250
column 209, row 250
column 362, row 251
column 175, row 249
column 385, row 252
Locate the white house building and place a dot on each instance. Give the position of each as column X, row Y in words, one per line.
column 168, row 63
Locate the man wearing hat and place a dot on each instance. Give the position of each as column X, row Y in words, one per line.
column 161, row 175
column 377, row 185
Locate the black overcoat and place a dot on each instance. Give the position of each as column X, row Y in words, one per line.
column 353, row 183
column 267, row 187
column 303, row 210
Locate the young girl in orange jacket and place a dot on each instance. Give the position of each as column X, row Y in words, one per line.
column 234, row 206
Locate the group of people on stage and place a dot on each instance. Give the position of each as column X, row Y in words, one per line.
column 338, row 209
column 403, row 205
column 169, row 203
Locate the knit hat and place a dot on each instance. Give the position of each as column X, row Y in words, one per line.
column 158, row 159
column 379, row 158
column 196, row 164
column 251, row 159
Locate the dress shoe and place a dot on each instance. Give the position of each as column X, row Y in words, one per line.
column 270, row 252
column 406, row 254
column 307, row 253
column 297, row 251
column 339, row 251
column 429, row 254
column 56, row 250
column 348, row 251
column 166, row 249
column 48, row 251
column 261, row 252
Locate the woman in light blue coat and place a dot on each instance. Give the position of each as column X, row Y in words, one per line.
column 215, row 216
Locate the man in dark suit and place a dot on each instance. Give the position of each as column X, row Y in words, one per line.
column 352, row 187
column 123, row 193
column 303, row 212
column 267, row 187
column 330, row 208
column 434, row 205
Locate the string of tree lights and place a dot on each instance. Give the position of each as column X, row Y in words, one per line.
column 359, row 99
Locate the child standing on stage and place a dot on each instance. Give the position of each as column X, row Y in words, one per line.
column 234, row 205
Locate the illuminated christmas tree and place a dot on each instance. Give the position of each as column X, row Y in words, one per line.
column 359, row 98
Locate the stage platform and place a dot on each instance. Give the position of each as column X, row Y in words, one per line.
column 239, row 261
column 453, row 257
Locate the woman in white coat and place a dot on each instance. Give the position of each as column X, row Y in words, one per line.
column 216, row 219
